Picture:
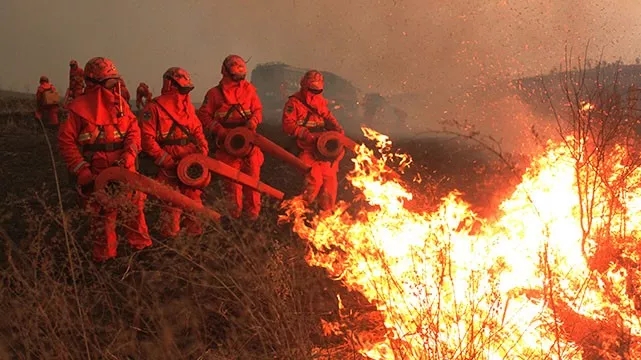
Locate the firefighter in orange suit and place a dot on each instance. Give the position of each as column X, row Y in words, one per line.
column 143, row 95
column 76, row 81
column 47, row 107
column 170, row 131
column 233, row 103
column 99, row 133
column 305, row 116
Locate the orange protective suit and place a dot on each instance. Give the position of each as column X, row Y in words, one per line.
column 170, row 131
column 306, row 114
column 76, row 81
column 143, row 95
column 99, row 134
column 233, row 103
column 48, row 111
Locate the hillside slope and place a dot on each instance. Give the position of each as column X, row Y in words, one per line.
column 538, row 91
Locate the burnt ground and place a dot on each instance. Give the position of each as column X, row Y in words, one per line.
column 248, row 289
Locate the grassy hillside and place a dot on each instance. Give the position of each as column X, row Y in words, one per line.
column 14, row 94
column 16, row 103
column 538, row 90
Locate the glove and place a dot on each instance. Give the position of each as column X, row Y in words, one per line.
column 222, row 133
column 127, row 160
column 169, row 163
column 252, row 124
column 310, row 137
column 84, row 177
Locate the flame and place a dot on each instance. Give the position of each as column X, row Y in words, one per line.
column 586, row 106
column 509, row 288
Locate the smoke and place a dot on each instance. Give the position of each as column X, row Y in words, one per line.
column 439, row 51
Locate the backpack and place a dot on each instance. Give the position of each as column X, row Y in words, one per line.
column 50, row 97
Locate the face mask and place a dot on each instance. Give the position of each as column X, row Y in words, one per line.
column 238, row 77
column 109, row 83
column 315, row 91
column 185, row 90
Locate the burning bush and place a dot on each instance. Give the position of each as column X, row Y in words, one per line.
column 553, row 276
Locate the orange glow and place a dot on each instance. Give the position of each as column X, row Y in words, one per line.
column 586, row 106
column 510, row 289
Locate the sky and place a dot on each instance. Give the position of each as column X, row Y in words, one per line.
column 441, row 48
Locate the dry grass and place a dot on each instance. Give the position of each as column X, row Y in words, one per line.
column 16, row 103
column 242, row 294
column 237, row 295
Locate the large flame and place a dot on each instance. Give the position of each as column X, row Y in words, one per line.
column 516, row 287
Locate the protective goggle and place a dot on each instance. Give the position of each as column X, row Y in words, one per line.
column 315, row 91
column 108, row 83
column 183, row 90
column 238, row 77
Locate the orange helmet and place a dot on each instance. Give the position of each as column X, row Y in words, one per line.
column 73, row 63
column 178, row 78
column 234, row 67
column 312, row 81
column 44, row 79
column 102, row 71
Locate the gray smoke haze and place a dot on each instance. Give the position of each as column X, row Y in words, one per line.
column 442, row 49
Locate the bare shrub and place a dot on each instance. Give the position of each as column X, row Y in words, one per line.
column 597, row 115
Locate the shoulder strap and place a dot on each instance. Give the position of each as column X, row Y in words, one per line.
column 311, row 111
column 306, row 105
column 234, row 107
column 122, row 136
column 176, row 124
column 231, row 109
column 96, row 132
